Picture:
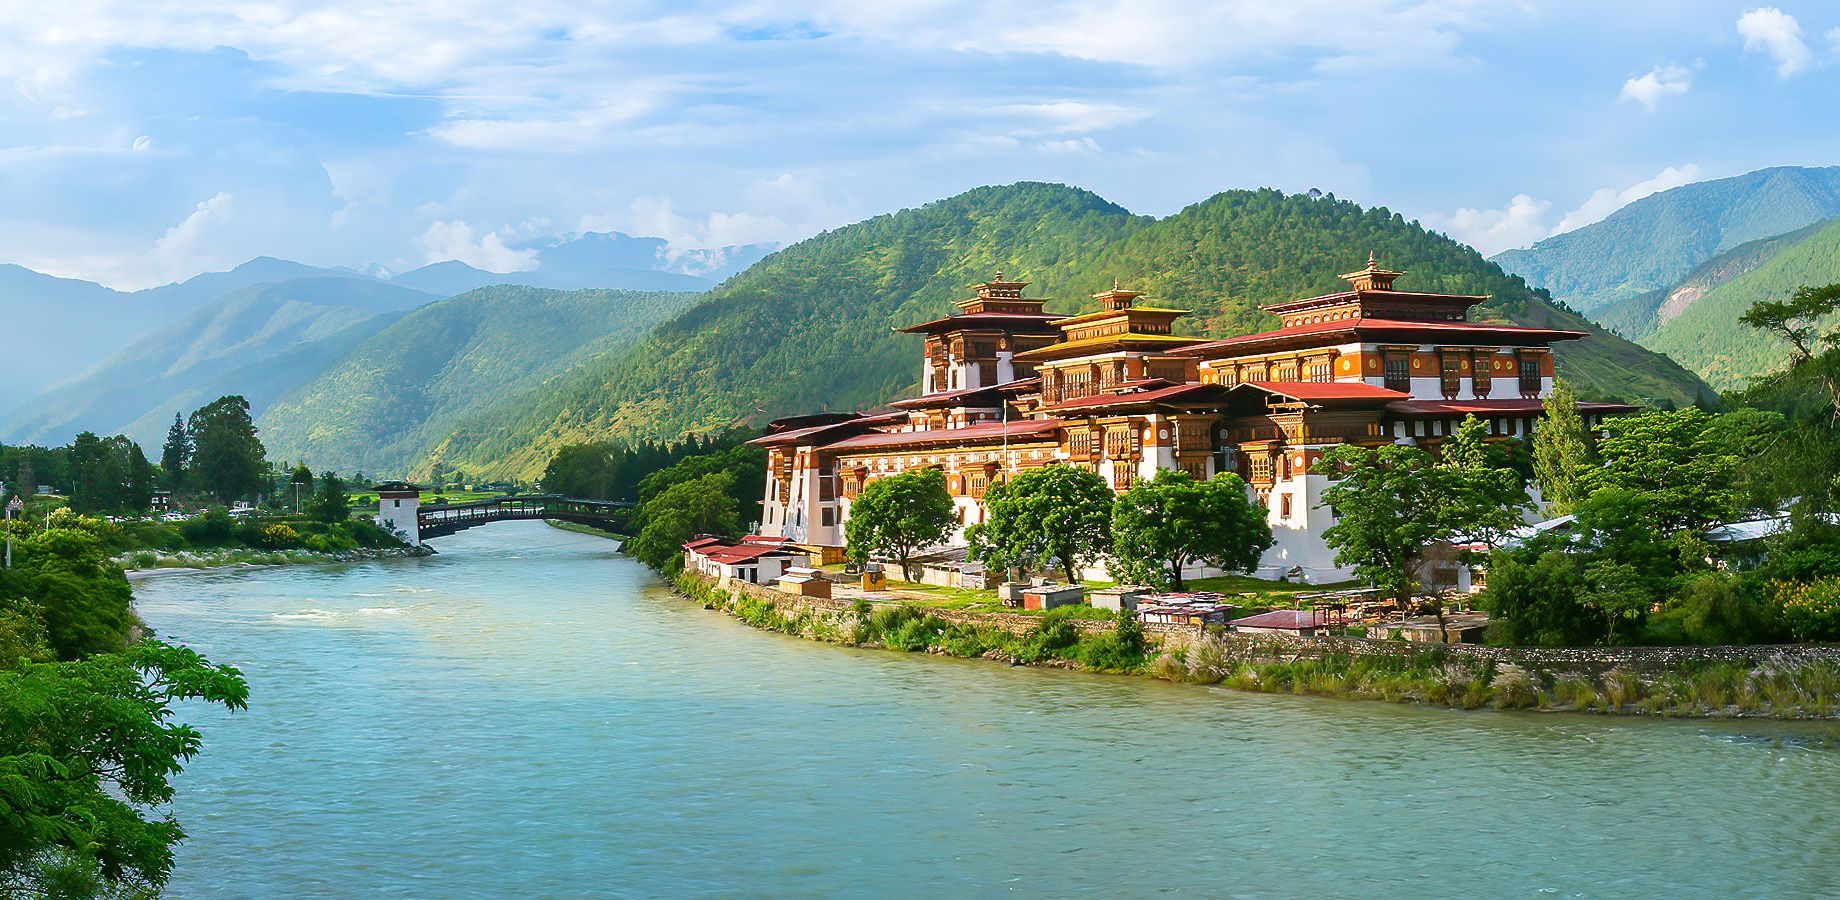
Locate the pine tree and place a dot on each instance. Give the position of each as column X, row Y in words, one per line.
column 1562, row 453
column 176, row 456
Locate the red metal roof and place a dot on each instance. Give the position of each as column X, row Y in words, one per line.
column 1172, row 394
column 732, row 555
column 946, row 398
column 1289, row 619
column 1383, row 329
column 1484, row 408
column 990, row 432
column 1032, row 323
column 806, row 435
column 1309, row 391
column 1380, row 296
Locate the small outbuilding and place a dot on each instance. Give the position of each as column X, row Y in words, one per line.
column 1294, row 622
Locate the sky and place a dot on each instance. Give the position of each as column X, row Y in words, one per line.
column 144, row 141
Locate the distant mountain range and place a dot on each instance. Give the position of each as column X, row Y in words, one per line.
column 1675, row 270
column 88, row 357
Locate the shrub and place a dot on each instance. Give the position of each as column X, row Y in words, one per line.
column 1811, row 609
column 280, row 535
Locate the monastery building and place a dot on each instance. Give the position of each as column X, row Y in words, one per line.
column 1010, row 387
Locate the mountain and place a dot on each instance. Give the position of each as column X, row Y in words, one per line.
column 810, row 326
column 63, row 326
column 405, row 386
column 1706, row 337
column 256, row 340
column 598, row 260
column 1652, row 243
column 1638, row 317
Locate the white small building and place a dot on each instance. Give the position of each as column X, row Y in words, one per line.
column 399, row 504
column 752, row 561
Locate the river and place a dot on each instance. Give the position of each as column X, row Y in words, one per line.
column 529, row 715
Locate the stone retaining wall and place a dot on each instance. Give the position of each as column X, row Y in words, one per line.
column 1593, row 661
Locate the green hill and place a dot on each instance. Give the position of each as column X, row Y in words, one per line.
column 1652, row 243
column 810, row 326
column 403, row 388
column 1637, row 317
column 1706, row 335
column 257, row 341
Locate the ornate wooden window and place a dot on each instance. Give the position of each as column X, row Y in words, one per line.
column 1194, row 436
column 1321, row 369
column 987, row 373
column 1122, row 476
column 1482, row 374
column 1287, row 371
column 1398, row 372
column 1260, row 468
column 1196, row 468
column 1079, row 443
column 975, row 485
column 1451, row 374
column 1173, row 372
column 1119, row 442
column 1530, row 374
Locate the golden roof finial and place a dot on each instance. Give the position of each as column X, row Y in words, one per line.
column 1371, row 262
column 1115, row 284
column 999, row 276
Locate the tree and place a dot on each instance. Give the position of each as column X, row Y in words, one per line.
column 1562, row 457
column 1171, row 521
column 1536, row 603
column 1485, row 495
column 1679, row 479
column 227, row 457
column 1053, row 514
column 1801, row 320
column 681, row 512
column 176, row 455
column 1393, row 501
column 331, row 505
column 88, row 749
column 900, row 514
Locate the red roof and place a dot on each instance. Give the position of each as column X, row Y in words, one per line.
column 1288, row 619
column 948, row 398
column 798, row 436
column 1484, row 408
column 1172, row 394
column 703, row 542
column 1309, row 391
column 1030, row 323
column 1377, row 296
column 745, row 553
column 989, row 432
column 1384, row 329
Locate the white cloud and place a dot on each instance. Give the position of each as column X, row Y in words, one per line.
column 1661, row 81
column 1776, row 33
column 454, row 240
column 1833, row 39
column 1605, row 201
column 1491, row 231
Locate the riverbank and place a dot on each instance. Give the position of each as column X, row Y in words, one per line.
column 1780, row 682
column 147, row 564
column 585, row 529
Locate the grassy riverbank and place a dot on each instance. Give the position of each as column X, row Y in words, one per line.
column 585, row 529
column 1785, row 683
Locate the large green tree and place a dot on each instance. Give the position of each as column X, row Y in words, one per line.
column 1171, row 521
column 88, row 749
column 1052, row 515
column 227, row 456
column 683, row 511
column 1394, row 501
column 1562, row 455
column 1806, row 321
column 1678, row 478
column 899, row 515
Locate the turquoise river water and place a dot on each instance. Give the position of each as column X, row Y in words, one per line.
column 529, row 715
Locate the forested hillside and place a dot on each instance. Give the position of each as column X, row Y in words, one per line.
column 257, row 341
column 405, row 387
column 810, row 326
column 1706, row 335
column 1652, row 243
column 1637, row 317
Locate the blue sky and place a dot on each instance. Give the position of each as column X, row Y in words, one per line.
column 147, row 140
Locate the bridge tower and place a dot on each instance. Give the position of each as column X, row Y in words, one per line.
column 398, row 506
